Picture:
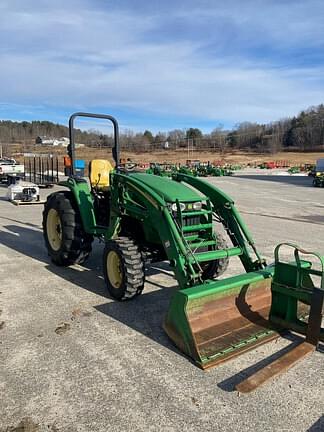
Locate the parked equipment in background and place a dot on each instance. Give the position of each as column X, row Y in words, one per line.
column 23, row 192
column 195, row 168
column 161, row 169
column 319, row 174
column 182, row 219
column 42, row 170
column 294, row 170
column 10, row 168
column 310, row 169
column 274, row 164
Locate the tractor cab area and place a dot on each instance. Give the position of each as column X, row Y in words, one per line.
column 99, row 176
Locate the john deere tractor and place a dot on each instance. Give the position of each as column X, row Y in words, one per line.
column 147, row 218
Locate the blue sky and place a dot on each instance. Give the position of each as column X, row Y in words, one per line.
column 161, row 65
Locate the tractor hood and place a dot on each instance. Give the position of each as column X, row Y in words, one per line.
column 169, row 189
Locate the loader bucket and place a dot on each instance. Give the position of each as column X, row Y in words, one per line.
column 217, row 320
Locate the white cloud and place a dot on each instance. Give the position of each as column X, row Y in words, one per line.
column 75, row 55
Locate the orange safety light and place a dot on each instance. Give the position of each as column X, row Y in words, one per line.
column 67, row 161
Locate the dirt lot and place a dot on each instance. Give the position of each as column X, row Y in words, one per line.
column 75, row 360
column 179, row 156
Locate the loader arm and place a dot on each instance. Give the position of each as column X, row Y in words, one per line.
column 229, row 216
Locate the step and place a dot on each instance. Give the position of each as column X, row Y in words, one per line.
column 199, row 227
column 191, row 238
column 213, row 255
column 202, row 243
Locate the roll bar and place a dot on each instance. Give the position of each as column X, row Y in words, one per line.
column 115, row 149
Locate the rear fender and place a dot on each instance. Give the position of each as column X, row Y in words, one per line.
column 84, row 202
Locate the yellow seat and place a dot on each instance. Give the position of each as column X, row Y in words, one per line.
column 99, row 170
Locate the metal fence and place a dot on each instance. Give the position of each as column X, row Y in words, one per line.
column 42, row 170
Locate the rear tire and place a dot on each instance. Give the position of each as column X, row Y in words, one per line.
column 216, row 268
column 66, row 241
column 123, row 268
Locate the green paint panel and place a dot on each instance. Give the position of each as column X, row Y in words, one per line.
column 167, row 188
column 222, row 286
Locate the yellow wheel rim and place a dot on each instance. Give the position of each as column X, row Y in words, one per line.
column 54, row 229
column 114, row 269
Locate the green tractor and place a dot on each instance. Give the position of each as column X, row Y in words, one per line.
column 147, row 218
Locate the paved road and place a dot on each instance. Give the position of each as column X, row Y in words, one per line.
column 74, row 360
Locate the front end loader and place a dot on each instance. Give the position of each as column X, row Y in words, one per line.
column 148, row 218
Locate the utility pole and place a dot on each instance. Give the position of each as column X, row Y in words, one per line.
column 192, row 147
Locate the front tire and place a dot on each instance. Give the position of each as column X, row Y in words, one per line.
column 216, row 268
column 66, row 241
column 123, row 268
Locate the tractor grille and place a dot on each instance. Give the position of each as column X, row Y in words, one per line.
column 189, row 221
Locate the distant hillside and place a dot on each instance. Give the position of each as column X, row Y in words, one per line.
column 304, row 132
column 13, row 132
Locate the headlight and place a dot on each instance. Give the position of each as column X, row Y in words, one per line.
column 197, row 206
column 175, row 208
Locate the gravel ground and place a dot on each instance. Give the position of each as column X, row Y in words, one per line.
column 75, row 360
